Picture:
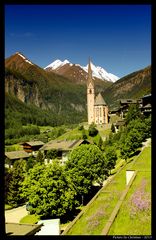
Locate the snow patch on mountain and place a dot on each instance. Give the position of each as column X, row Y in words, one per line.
column 57, row 64
column 26, row 60
column 101, row 73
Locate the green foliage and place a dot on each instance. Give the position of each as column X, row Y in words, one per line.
column 17, row 177
column 49, row 191
column 31, row 161
column 92, row 130
column 111, row 157
column 86, row 164
column 81, row 128
column 133, row 113
column 20, row 131
column 8, row 207
column 40, row 157
column 7, row 180
column 52, row 154
column 136, row 132
column 100, row 143
column 84, row 134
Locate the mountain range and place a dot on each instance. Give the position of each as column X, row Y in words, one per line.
column 69, row 69
column 52, row 96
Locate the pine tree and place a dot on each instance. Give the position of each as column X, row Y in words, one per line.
column 18, row 173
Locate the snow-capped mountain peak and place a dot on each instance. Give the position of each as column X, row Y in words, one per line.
column 101, row 73
column 97, row 71
column 57, row 63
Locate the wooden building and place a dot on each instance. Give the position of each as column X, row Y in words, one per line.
column 32, row 146
column 126, row 103
column 147, row 104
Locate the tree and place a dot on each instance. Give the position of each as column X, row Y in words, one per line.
column 7, row 180
column 92, row 130
column 30, row 163
column 18, row 173
column 52, row 154
column 111, row 157
column 133, row 113
column 113, row 128
column 40, row 157
column 100, row 143
column 131, row 142
column 49, row 191
column 84, row 135
column 86, row 164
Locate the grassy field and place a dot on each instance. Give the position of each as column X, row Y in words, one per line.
column 134, row 217
column 77, row 134
column 14, row 147
column 71, row 134
column 96, row 215
column 31, row 219
column 8, row 207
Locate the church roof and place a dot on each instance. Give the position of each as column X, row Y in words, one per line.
column 90, row 79
column 99, row 100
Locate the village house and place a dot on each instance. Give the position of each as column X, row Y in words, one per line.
column 146, row 108
column 11, row 157
column 126, row 103
column 120, row 123
column 63, row 148
column 32, row 147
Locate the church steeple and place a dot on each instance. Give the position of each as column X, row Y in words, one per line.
column 90, row 95
column 90, row 80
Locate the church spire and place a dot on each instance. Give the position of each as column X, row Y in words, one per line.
column 90, row 80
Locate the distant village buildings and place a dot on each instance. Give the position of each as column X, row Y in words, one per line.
column 97, row 108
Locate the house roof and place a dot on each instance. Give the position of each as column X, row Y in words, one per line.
column 16, row 154
column 147, row 106
column 99, row 100
column 65, row 145
column 120, row 123
column 22, row 229
column 126, row 101
column 148, row 95
column 34, row 143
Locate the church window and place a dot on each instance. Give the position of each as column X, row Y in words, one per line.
column 104, row 112
column 100, row 112
column 90, row 91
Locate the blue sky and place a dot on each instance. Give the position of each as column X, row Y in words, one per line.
column 116, row 37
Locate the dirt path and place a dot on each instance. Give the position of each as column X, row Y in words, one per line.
column 14, row 215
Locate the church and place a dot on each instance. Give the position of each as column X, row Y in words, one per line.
column 97, row 109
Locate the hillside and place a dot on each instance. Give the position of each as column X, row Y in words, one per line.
column 59, row 96
column 134, row 85
column 54, row 98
